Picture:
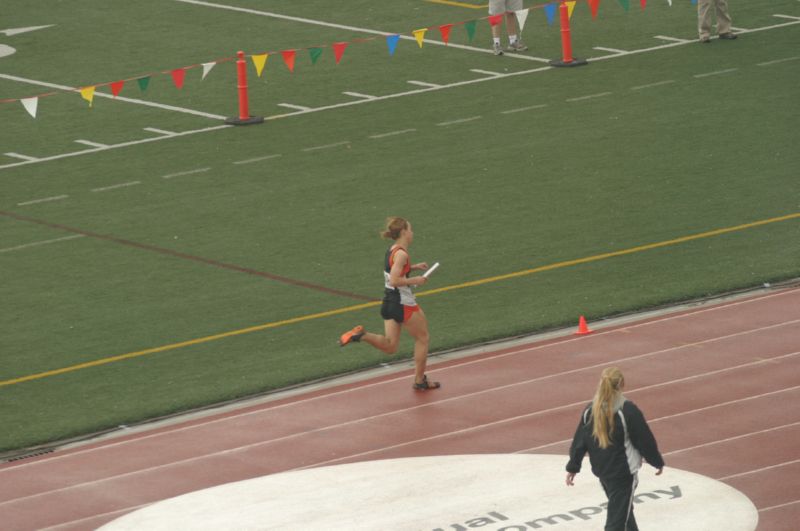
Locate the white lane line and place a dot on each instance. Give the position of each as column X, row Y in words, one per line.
column 71, row 524
column 181, row 173
column 521, row 109
column 779, row 506
column 115, row 186
column 296, row 107
column 612, row 50
column 359, row 95
column 160, row 131
column 423, row 84
column 716, row 73
column 91, row 144
column 651, row 85
column 456, row 366
column 776, row 61
column 682, row 413
column 460, row 121
column 102, row 94
column 23, row 157
column 590, row 96
column 43, row 200
column 486, row 72
column 327, row 146
column 258, row 159
column 735, row 438
column 43, row 242
column 352, row 28
column 392, row 133
column 761, row 469
column 115, row 146
column 671, row 39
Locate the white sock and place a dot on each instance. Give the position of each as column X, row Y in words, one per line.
column 512, row 39
column 496, row 40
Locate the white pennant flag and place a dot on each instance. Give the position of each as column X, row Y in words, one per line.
column 669, row 2
column 207, row 68
column 30, row 105
column 522, row 16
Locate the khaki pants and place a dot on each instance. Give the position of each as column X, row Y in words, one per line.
column 704, row 17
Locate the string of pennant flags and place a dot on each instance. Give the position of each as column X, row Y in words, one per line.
column 259, row 60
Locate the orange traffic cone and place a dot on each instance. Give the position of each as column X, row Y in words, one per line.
column 582, row 328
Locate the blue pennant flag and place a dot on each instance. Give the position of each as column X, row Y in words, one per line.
column 391, row 42
column 550, row 11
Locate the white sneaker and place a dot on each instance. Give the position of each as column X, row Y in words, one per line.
column 517, row 46
column 498, row 49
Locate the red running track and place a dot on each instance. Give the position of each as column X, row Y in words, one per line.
column 720, row 385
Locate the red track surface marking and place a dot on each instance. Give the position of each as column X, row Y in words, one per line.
column 720, row 385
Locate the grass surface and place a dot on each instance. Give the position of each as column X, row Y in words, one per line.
column 657, row 153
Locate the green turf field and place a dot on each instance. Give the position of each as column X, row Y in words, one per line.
column 189, row 263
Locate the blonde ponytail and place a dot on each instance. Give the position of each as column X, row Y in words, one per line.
column 609, row 388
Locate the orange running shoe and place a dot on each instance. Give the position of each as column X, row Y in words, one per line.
column 353, row 335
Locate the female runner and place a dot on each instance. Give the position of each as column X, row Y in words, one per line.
column 400, row 309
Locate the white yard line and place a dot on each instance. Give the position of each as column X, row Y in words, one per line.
column 768, row 63
column 359, row 95
column 590, row 96
column 23, row 157
column 43, row 242
column 91, row 144
column 118, row 98
column 521, row 109
column 392, row 133
column 485, row 72
column 257, row 159
column 296, row 107
column 612, row 50
column 115, row 186
column 328, row 146
column 459, row 121
column 160, row 131
column 790, row 17
column 671, row 39
column 423, row 84
column 715, row 73
column 181, row 173
column 651, row 85
column 43, row 200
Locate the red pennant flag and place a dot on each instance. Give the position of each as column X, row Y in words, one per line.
column 177, row 77
column 644, row 3
column 338, row 50
column 594, row 4
column 494, row 20
column 116, row 87
column 288, row 58
column 445, row 31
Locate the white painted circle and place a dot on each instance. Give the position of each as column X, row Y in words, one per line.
column 6, row 50
column 446, row 493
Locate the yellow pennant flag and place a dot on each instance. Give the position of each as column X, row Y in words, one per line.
column 87, row 93
column 259, row 61
column 570, row 8
column 420, row 35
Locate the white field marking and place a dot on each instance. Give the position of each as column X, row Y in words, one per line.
column 23, row 157
column 359, row 95
column 91, row 144
column 43, row 242
column 71, row 524
column 115, row 186
column 328, row 146
column 486, row 72
column 590, row 96
column 116, row 146
column 160, row 131
column 651, row 85
column 612, row 50
column 365, row 419
column 118, row 98
column 182, row 173
column 351, row 28
column 682, row 413
column 734, row 438
column 494, row 423
column 43, row 200
column 781, row 505
column 528, row 108
column 776, row 61
column 297, row 107
column 671, row 39
column 523, row 351
column 739, row 30
column 393, row 133
column 716, row 73
column 786, row 16
column 760, row 469
column 423, row 84
column 258, row 159
column 460, row 121
column 15, row 31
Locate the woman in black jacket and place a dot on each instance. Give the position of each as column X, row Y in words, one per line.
column 615, row 434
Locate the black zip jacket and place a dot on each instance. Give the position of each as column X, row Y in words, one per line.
column 630, row 441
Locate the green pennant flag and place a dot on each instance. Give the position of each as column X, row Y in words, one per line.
column 470, row 27
column 314, row 53
column 143, row 82
column 625, row 4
